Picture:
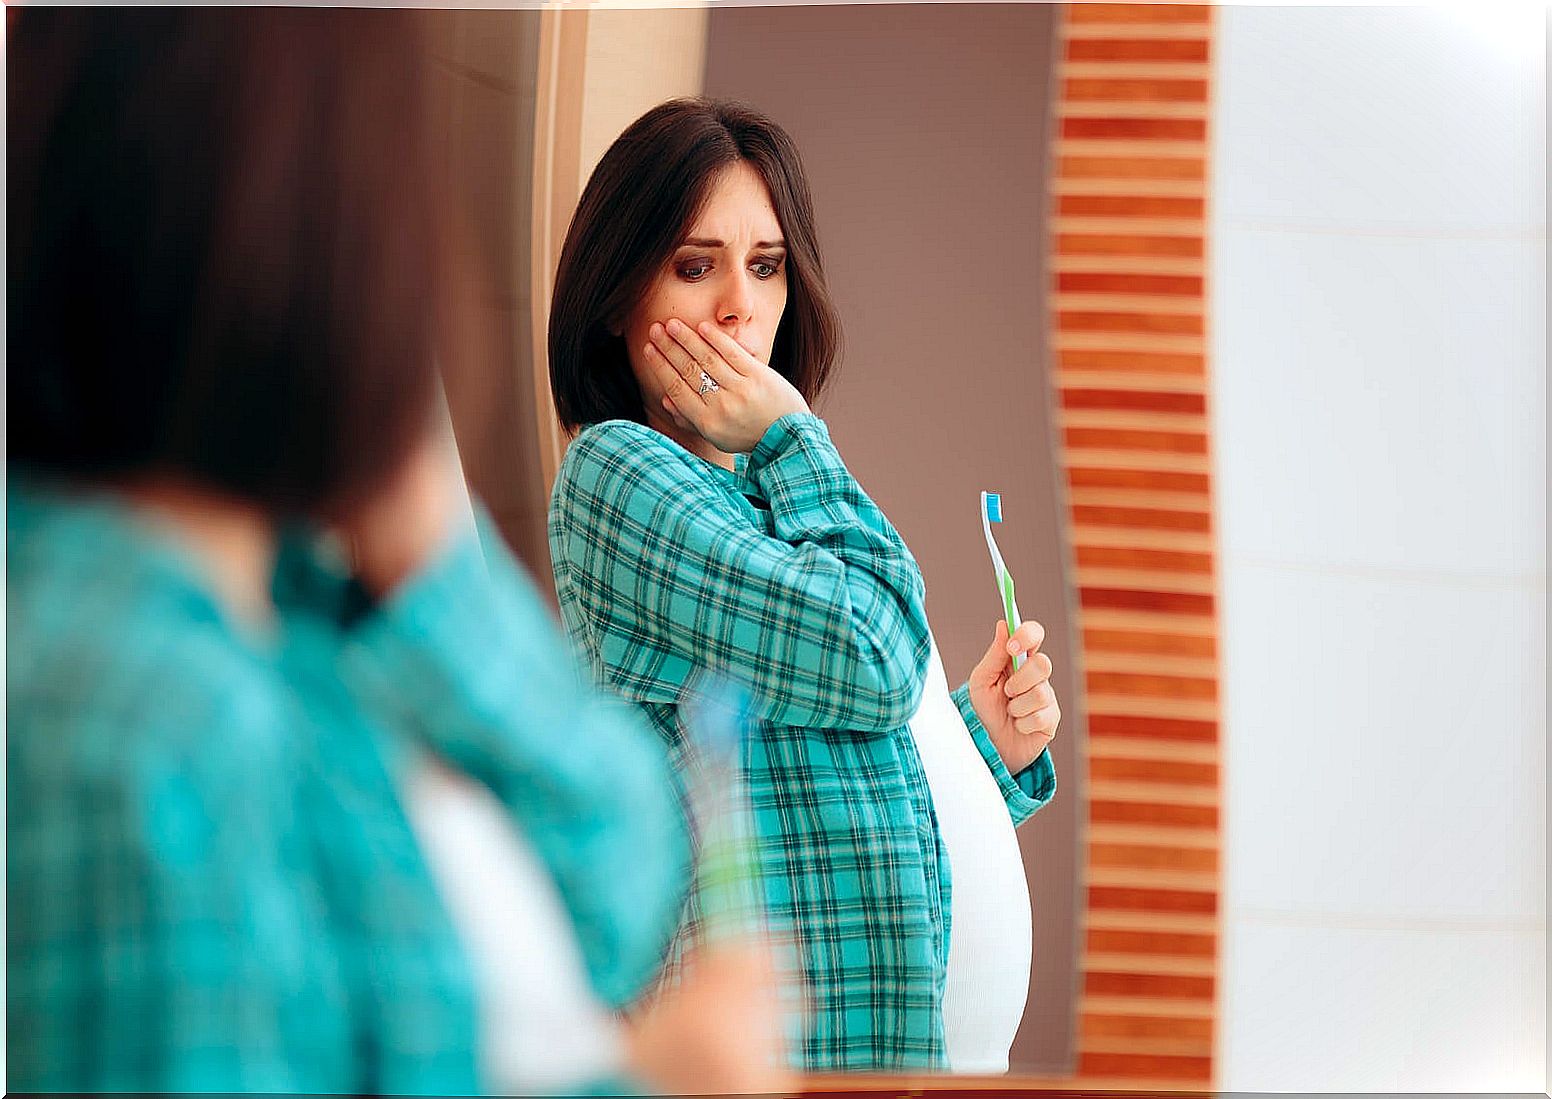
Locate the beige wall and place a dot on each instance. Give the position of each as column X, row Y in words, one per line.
column 924, row 133
column 531, row 99
column 635, row 60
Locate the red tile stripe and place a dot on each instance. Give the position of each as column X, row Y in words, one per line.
column 1129, row 330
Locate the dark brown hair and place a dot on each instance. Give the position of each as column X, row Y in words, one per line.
column 225, row 248
column 641, row 200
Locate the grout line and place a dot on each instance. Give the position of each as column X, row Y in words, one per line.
column 1479, row 925
column 1527, row 581
column 1532, row 232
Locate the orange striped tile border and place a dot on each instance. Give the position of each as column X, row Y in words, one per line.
column 1129, row 326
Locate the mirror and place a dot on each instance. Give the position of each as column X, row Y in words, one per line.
column 1226, row 529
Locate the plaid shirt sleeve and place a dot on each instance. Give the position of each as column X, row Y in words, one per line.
column 580, row 770
column 210, row 887
column 154, row 940
column 1025, row 792
column 824, row 623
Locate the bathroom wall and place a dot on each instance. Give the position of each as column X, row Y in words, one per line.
column 1379, row 288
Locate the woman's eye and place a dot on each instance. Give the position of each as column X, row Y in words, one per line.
column 694, row 272
column 764, row 269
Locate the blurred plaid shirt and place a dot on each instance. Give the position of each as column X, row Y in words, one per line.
column 783, row 577
column 211, row 884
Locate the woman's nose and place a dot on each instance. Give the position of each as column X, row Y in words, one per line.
column 736, row 301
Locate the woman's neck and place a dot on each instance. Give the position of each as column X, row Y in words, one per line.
column 691, row 440
column 234, row 541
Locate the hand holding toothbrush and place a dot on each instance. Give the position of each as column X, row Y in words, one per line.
column 1011, row 692
column 1017, row 707
column 718, row 1031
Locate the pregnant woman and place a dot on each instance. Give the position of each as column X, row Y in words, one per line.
column 703, row 527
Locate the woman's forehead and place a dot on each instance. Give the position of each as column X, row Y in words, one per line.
column 738, row 206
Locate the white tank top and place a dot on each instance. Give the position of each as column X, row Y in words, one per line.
column 541, row 1029
column 990, row 932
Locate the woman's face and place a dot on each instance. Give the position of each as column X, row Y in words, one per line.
column 730, row 269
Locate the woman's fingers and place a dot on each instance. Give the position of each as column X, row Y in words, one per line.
column 1027, row 638
column 686, row 400
column 995, row 662
column 735, row 413
column 1031, row 701
column 1036, row 670
column 732, row 352
column 666, row 348
column 702, row 356
column 1042, row 722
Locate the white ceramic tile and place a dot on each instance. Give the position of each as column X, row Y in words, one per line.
column 1385, row 750
column 1403, row 117
column 1381, row 401
column 1325, row 1009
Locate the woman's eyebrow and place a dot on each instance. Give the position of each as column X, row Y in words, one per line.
column 709, row 242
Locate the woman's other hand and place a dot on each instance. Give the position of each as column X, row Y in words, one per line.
column 398, row 532
column 1018, row 708
column 718, row 1031
column 749, row 396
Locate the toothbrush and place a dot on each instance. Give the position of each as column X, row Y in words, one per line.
column 726, row 879
column 991, row 512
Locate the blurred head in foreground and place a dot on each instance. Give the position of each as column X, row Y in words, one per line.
column 224, row 256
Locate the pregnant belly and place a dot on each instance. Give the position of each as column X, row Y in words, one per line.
column 990, row 931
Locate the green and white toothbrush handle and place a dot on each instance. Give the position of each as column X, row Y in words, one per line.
column 1010, row 611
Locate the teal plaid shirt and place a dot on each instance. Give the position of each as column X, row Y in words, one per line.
column 211, row 883
column 785, row 578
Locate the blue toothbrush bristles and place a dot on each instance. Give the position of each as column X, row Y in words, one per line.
column 994, row 507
